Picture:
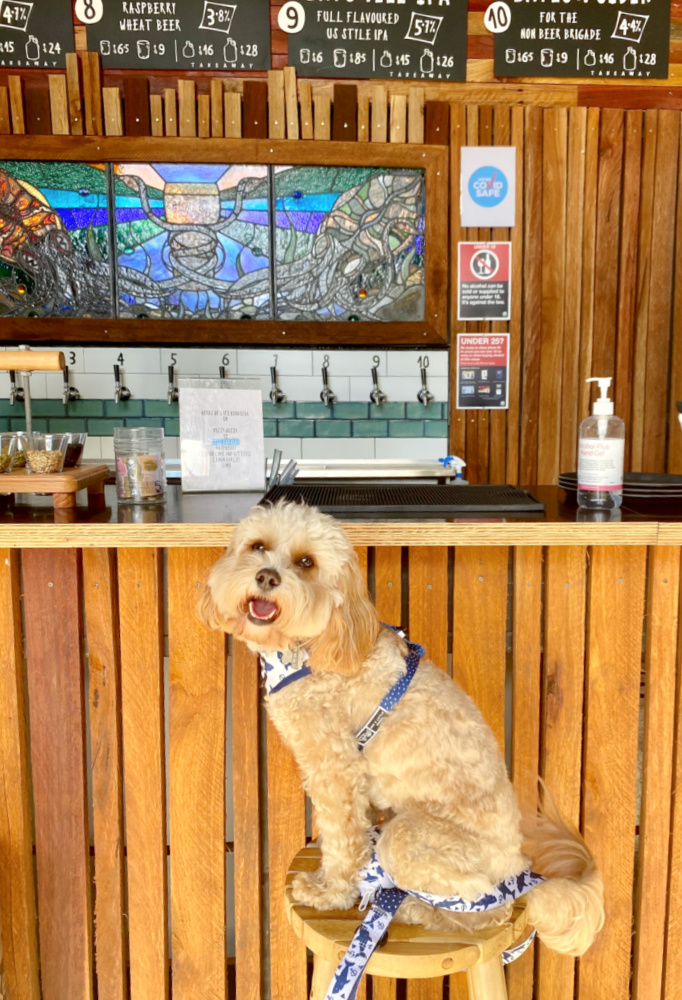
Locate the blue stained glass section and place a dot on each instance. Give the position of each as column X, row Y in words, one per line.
column 192, row 241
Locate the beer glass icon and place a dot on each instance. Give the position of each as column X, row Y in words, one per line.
column 143, row 49
column 546, row 57
column 339, row 58
column 510, row 56
column 105, row 47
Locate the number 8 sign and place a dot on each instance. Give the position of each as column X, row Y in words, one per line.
column 89, row 11
column 291, row 17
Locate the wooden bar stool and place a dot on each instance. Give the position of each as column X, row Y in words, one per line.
column 409, row 952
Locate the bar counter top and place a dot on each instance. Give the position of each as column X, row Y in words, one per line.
column 207, row 519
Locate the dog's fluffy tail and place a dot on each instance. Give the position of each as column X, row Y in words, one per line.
column 568, row 909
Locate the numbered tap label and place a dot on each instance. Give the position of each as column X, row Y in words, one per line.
column 89, row 11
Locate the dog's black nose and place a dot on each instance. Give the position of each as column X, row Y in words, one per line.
column 268, row 578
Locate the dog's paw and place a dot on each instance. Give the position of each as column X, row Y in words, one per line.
column 312, row 889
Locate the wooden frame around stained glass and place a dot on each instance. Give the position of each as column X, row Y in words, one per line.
column 289, row 328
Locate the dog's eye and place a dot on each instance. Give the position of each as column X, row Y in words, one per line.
column 305, row 562
column 258, row 547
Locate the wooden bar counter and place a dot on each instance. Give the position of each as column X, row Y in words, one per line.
column 113, row 694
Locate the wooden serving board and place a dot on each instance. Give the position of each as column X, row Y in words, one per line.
column 63, row 485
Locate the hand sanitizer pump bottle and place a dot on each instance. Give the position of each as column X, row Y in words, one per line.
column 601, row 449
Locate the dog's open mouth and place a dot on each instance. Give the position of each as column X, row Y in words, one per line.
column 262, row 612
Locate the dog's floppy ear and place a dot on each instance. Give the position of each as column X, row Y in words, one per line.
column 207, row 610
column 352, row 630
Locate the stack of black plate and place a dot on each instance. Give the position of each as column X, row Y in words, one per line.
column 637, row 485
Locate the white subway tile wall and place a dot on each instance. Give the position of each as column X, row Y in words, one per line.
column 407, row 431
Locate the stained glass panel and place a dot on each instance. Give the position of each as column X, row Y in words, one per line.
column 54, row 239
column 192, row 241
column 349, row 243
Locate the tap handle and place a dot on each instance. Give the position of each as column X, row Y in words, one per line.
column 375, row 377
column 221, row 371
column 13, row 379
column 117, row 373
column 273, row 374
column 66, row 376
column 171, row 374
column 325, row 377
column 423, row 373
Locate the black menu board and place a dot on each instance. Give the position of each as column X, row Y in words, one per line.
column 408, row 39
column 179, row 34
column 37, row 33
column 585, row 38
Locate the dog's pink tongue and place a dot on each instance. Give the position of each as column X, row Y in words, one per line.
column 263, row 609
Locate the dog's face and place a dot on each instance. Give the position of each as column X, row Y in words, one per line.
column 291, row 576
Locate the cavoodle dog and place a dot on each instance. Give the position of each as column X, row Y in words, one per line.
column 290, row 584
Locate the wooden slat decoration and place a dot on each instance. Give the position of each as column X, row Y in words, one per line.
column 525, row 734
column 203, row 116
column 233, row 115
column 513, row 413
column 363, row 118
column 532, row 298
column 54, row 636
column 197, row 667
column 59, row 106
column 388, row 584
column 657, row 418
column 657, row 771
column 291, row 102
column 141, row 616
column 16, row 102
column 498, row 418
column 286, row 836
column 379, row 113
column 415, row 115
column 170, row 111
column 473, row 451
column 672, row 970
column 255, row 110
column 554, row 178
column 458, row 426
column 589, row 238
column 322, row 115
column 247, row 825
column 37, row 106
column 616, row 606
column 113, row 111
column 479, row 631
column 5, row 119
column 428, row 593
column 136, row 105
column 187, row 108
column 217, row 109
column 92, row 89
column 19, row 924
column 345, row 117
column 608, row 224
column 156, row 113
column 73, row 86
column 562, row 719
column 305, row 96
column 436, row 123
column 674, row 464
column 398, row 116
column 104, row 669
column 276, row 114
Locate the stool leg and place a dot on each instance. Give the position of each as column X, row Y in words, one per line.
column 486, row 981
column 322, row 977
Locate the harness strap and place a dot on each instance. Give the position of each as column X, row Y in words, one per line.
column 415, row 653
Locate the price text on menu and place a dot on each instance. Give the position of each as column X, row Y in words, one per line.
column 408, row 39
column 585, row 38
column 37, row 34
column 178, row 34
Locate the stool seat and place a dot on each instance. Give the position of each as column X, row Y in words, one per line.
column 409, row 951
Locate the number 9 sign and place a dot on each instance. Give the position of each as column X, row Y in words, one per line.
column 291, row 17
column 89, row 11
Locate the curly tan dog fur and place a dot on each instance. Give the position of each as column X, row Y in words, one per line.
column 290, row 579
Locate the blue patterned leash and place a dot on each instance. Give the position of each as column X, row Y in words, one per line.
column 415, row 653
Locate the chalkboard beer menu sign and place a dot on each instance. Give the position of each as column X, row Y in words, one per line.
column 581, row 38
column 37, row 34
column 408, row 39
column 178, row 34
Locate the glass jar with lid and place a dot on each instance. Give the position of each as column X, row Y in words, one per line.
column 140, row 464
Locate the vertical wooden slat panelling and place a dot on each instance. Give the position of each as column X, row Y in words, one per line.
column 156, row 114
column 415, row 115
column 627, row 265
column 17, row 892
column 170, row 111
column 554, row 179
column 498, row 418
column 575, row 209
column 482, row 416
column 388, row 584
column 322, row 116
column 589, row 240
column 379, row 113
column 73, row 86
column 525, row 735
column 276, row 114
column 37, row 101
column 59, row 108
column 479, row 631
column 398, row 118
column 104, row 670
column 515, row 336
column 187, row 108
column 472, row 235
column 428, row 593
column 563, row 678
column 608, row 231
column 197, row 665
column 136, row 103
column 672, row 971
column 458, row 426
column 656, row 413
column 657, row 771
column 616, row 606
column 248, row 917
column 286, row 836
column 345, row 119
column 217, row 109
column 306, row 101
column 203, row 116
column 56, row 701
column 233, row 114
column 291, row 102
column 141, row 615
column 532, row 297
column 675, row 440
column 16, row 103
column 255, row 110
column 5, row 119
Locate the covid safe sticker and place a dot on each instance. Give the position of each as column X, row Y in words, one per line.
column 487, row 185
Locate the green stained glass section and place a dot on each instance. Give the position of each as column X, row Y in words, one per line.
column 349, row 243
column 54, row 240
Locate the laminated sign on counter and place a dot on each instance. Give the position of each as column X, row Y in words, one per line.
column 221, row 434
